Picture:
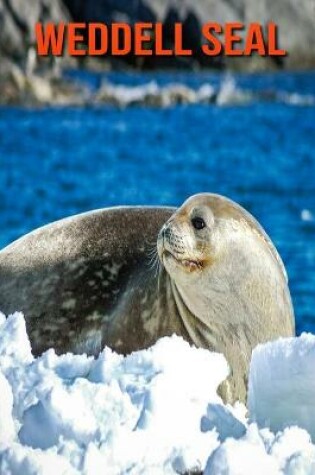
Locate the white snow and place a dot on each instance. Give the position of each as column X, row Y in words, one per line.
column 153, row 94
column 226, row 93
column 153, row 412
column 282, row 384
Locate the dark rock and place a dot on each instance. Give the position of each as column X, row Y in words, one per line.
column 296, row 22
column 108, row 11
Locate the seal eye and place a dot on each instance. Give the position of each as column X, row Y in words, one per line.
column 198, row 223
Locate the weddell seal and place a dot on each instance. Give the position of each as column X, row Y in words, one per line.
column 91, row 280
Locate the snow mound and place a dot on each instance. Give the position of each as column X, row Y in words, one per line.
column 282, row 384
column 155, row 411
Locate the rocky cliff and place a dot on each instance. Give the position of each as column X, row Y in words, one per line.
column 296, row 19
column 17, row 20
column 18, row 84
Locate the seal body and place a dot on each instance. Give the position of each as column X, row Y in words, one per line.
column 87, row 281
column 91, row 280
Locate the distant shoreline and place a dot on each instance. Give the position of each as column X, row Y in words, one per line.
column 75, row 88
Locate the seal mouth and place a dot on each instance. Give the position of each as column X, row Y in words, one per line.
column 189, row 264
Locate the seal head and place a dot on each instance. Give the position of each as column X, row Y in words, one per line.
column 185, row 243
column 228, row 280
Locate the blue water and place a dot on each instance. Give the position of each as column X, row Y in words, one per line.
column 55, row 162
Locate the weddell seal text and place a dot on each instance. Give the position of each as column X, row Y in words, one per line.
column 147, row 39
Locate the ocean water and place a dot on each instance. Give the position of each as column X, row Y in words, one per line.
column 55, row 162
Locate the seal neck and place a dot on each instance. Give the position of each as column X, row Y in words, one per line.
column 200, row 330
